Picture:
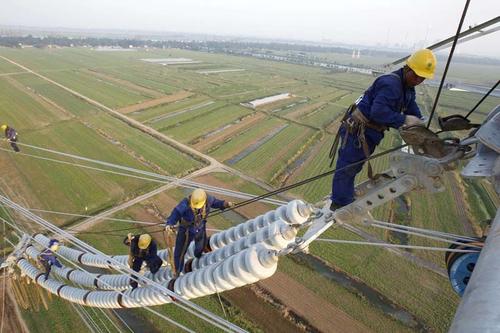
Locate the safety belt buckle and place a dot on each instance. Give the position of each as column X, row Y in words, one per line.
column 350, row 122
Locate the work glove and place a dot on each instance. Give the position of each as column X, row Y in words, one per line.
column 169, row 228
column 228, row 204
column 412, row 121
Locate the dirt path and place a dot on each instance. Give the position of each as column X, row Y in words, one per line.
column 13, row 73
column 155, row 102
column 317, row 311
column 268, row 318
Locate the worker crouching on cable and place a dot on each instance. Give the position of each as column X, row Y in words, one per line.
column 142, row 248
column 389, row 102
column 191, row 214
column 48, row 257
column 11, row 136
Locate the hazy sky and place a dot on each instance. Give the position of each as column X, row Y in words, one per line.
column 350, row 21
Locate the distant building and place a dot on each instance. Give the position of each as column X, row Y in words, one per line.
column 266, row 100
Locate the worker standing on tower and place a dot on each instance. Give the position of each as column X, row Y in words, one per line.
column 48, row 257
column 11, row 136
column 389, row 102
column 142, row 248
column 191, row 214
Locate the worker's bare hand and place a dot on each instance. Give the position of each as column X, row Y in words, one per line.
column 169, row 228
column 229, row 204
column 412, row 121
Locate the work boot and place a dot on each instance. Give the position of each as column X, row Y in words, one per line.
column 334, row 206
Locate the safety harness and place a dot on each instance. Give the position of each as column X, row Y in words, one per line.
column 199, row 217
column 355, row 122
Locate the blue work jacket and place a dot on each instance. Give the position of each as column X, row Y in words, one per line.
column 49, row 256
column 184, row 214
column 387, row 102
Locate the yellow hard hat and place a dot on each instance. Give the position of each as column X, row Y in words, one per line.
column 54, row 245
column 198, row 198
column 4, row 127
column 423, row 63
column 144, row 241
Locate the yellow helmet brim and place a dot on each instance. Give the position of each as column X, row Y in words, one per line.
column 423, row 73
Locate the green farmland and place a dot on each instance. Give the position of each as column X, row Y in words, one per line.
column 259, row 148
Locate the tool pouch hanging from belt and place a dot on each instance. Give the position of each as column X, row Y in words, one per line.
column 355, row 122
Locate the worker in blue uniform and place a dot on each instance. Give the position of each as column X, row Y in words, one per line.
column 11, row 136
column 142, row 248
column 389, row 102
column 191, row 214
column 48, row 257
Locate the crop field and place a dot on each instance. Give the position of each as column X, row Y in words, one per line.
column 157, row 113
column 105, row 92
column 285, row 144
column 185, row 115
column 7, row 67
column 243, row 140
column 276, row 144
column 432, row 301
column 169, row 160
column 324, row 116
column 57, row 95
column 48, row 116
column 206, row 123
column 60, row 187
column 16, row 107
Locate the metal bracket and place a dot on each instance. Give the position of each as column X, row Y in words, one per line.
column 18, row 252
column 408, row 172
column 319, row 226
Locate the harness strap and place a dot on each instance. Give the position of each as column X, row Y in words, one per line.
column 355, row 122
column 335, row 145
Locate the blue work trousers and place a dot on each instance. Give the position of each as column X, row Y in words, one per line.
column 153, row 263
column 350, row 152
column 185, row 235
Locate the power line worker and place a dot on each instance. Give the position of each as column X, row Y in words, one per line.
column 388, row 102
column 142, row 248
column 11, row 136
column 48, row 257
column 191, row 214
